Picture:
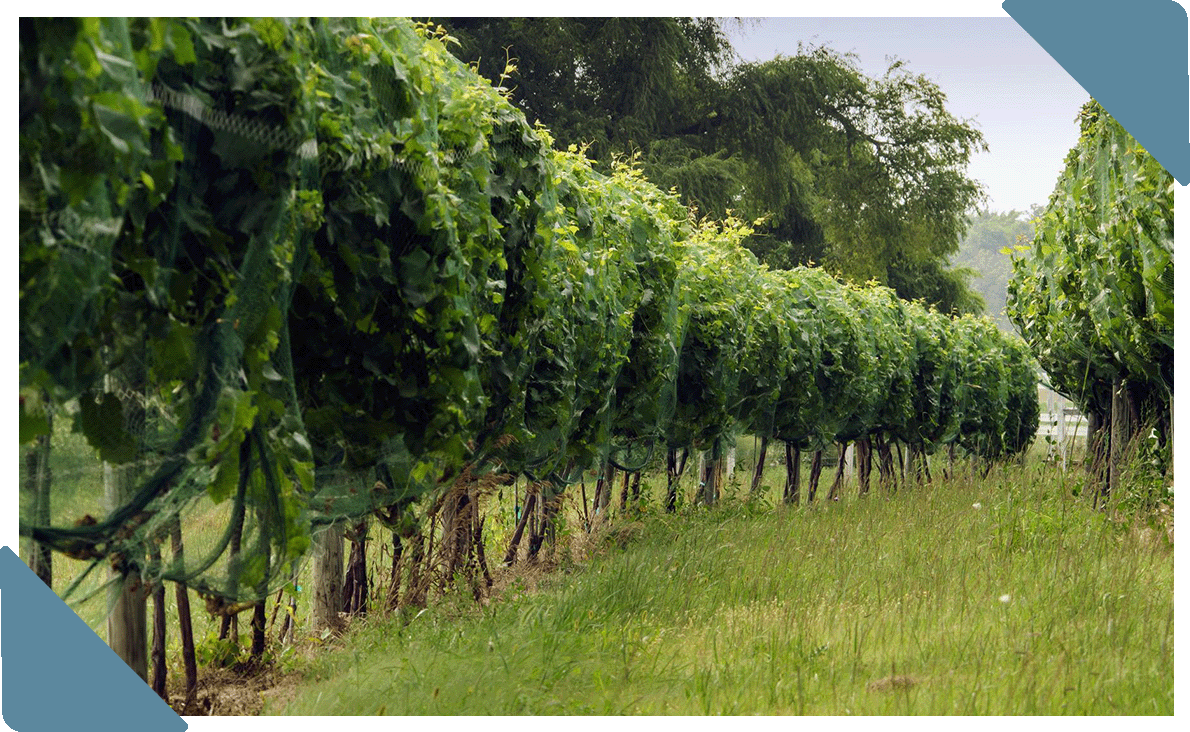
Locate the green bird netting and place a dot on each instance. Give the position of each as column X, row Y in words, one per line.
column 283, row 274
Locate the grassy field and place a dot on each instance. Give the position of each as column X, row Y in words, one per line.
column 1003, row 595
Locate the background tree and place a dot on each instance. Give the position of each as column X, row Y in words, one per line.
column 984, row 252
column 866, row 176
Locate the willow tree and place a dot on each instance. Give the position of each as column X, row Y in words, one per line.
column 612, row 83
column 865, row 175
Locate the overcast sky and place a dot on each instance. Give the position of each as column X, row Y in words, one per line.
column 991, row 71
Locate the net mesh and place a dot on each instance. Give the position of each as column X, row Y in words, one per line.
column 282, row 276
column 239, row 256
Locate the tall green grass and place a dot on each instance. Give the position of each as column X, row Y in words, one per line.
column 1000, row 596
column 1005, row 595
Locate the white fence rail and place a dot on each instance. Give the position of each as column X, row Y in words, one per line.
column 1063, row 425
column 1064, row 428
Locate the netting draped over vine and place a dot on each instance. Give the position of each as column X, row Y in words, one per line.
column 288, row 272
column 1093, row 295
column 264, row 184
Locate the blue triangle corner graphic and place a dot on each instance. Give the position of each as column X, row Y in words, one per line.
column 58, row 674
column 1130, row 56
